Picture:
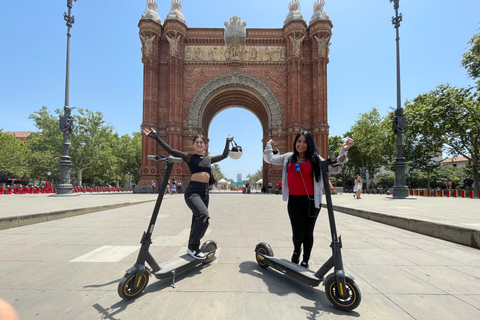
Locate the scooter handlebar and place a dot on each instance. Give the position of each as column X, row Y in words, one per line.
column 164, row 159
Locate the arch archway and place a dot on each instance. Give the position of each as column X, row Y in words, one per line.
column 235, row 89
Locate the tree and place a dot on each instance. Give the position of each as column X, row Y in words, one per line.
column 12, row 156
column 253, row 178
column 471, row 58
column 421, row 148
column 452, row 115
column 132, row 153
column 217, row 172
column 385, row 180
column 92, row 142
column 374, row 142
column 91, row 149
column 45, row 146
column 450, row 173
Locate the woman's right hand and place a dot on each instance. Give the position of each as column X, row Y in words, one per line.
column 147, row 132
column 270, row 142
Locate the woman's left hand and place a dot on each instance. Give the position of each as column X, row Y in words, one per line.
column 347, row 144
column 229, row 139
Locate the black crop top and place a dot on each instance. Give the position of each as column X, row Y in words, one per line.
column 196, row 163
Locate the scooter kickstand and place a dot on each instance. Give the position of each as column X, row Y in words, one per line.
column 173, row 279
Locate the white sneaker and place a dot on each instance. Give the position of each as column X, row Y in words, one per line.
column 196, row 255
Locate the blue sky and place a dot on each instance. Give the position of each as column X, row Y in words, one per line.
column 106, row 72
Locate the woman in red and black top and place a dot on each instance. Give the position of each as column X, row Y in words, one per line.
column 302, row 186
column 196, row 194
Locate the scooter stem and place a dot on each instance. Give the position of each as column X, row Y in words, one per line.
column 336, row 244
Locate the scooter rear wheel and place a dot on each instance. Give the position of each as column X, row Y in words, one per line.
column 128, row 290
column 350, row 302
column 263, row 249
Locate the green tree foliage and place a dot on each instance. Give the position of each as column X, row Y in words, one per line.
column 471, row 58
column 91, row 144
column 12, row 156
column 132, row 154
column 253, row 178
column 217, row 172
column 98, row 154
column 385, row 180
column 452, row 115
column 421, row 147
column 45, row 146
column 374, row 143
column 450, row 173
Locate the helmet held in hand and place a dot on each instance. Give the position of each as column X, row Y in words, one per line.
column 235, row 151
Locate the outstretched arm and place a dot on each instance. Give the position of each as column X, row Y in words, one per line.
column 225, row 151
column 269, row 157
column 176, row 153
column 342, row 158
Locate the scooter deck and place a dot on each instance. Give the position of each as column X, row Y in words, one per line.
column 177, row 265
column 293, row 270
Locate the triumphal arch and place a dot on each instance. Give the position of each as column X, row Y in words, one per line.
column 192, row 74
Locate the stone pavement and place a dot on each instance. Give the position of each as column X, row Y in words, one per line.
column 452, row 219
column 69, row 268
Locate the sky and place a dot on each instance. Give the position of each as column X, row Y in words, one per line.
column 106, row 72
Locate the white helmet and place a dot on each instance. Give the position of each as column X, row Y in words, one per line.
column 235, row 152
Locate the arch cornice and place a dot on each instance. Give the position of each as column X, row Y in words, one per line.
column 231, row 80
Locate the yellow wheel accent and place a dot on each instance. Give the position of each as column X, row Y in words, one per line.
column 127, row 289
column 350, row 302
column 262, row 250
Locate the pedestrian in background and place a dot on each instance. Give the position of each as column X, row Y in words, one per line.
column 358, row 187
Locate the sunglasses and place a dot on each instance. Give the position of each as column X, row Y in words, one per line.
column 297, row 167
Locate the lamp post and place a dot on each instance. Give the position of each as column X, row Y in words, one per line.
column 66, row 121
column 400, row 191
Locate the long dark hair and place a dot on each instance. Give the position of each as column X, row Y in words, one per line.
column 311, row 153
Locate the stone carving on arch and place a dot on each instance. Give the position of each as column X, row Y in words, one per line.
column 235, row 79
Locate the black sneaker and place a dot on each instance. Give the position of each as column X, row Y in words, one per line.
column 304, row 264
column 296, row 257
column 197, row 255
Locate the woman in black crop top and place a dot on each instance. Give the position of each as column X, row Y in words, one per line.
column 196, row 194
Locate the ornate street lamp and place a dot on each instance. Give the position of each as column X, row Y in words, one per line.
column 400, row 191
column 66, row 121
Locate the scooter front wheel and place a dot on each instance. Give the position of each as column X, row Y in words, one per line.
column 350, row 302
column 127, row 289
column 209, row 248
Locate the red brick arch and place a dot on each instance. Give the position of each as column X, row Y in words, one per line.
column 187, row 84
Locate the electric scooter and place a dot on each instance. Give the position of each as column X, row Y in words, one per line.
column 340, row 288
column 136, row 278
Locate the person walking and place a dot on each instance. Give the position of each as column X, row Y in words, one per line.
column 302, row 187
column 358, row 187
column 173, row 188
column 197, row 194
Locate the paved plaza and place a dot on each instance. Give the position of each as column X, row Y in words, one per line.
column 67, row 264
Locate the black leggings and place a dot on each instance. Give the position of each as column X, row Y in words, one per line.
column 302, row 223
column 196, row 197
